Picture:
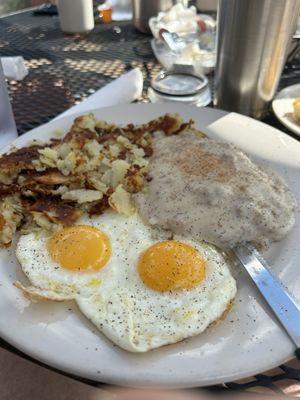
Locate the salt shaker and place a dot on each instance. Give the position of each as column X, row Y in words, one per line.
column 76, row 16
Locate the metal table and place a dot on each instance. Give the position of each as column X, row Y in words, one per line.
column 65, row 69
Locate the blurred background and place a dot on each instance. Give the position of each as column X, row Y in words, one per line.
column 7, row 6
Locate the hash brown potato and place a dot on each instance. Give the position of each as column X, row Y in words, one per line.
column 96, row 165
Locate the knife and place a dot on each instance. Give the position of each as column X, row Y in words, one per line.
column 277, row 296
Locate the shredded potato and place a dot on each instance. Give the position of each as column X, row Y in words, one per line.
column 96, row 165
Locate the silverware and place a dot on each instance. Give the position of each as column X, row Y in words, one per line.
column 277, row 296
column 253, row 41
column 172, row 41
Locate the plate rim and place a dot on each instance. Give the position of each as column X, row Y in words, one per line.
column 167, row 384
column 207, row 382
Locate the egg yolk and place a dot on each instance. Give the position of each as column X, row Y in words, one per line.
column 171, row 265
column 80, row 247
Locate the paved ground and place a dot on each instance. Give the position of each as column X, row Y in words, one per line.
column 23, row 380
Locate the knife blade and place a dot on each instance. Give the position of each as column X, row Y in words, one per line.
column 277, row 296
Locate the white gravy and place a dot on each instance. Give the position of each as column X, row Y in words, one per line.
column 212, row 191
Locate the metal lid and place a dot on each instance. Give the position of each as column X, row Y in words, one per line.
column 179, row 82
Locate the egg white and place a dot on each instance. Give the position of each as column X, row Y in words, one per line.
column 116, row 300
column 127, row 236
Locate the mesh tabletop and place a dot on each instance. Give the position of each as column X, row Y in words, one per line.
column 64, row 69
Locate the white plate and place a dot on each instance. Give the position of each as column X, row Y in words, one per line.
column 283, row 107
column 248, row 341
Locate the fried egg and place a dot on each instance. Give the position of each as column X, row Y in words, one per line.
column 142, row 287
